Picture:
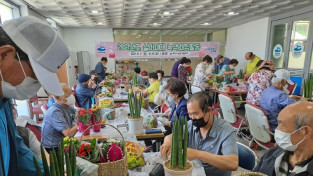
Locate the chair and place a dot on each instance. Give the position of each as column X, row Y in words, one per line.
column 297, row 80
column 230, row 113
column 74, row 93
column 35, row 106
column 44, row 108
column 259, row 127
column 291, row 88
column 247, row 157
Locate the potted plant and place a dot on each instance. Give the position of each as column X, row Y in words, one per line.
column 217, row 81
column 57, row 161
column 134, row 80
column 240, row 76
column 96, row 118
column 178, row 164
column 135, row 121
column 308, row 87
column 83, row 118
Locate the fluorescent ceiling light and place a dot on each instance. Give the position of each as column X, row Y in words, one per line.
column 206, row 24
column 155, row 24
column 99, row 23
column 166, row 14
column 94, row 11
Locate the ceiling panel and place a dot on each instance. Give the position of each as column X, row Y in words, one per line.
column 167, row 13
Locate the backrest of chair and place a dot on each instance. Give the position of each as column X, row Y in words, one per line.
column 216, row 113
column 298, row 81
column 258, row 123
column 44, row 108
column 74, row 93
column 228, row 108
column 291, row 88
column 247, row 157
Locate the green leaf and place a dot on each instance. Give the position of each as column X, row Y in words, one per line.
column 38, row 170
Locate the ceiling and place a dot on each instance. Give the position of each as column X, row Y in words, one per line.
column 143, row 13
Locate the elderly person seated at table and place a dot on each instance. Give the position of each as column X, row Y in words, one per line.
column 294, row 137
column 176, row 90
column 58, row 122
column 210, row 139
column 153, row 89
column 140, row 80
column 274, row 99
column 228, row 70
column 259, row 81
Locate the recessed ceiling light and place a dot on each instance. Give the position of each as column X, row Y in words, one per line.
column 155, row 24
column 166, row 14
column 94, row 11
column 231, row 14
column 206, row 24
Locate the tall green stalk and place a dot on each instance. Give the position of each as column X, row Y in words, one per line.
column 179, row 144
column 135, row 80
column 134, row 104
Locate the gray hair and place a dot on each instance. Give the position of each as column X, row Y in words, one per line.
column 302, row 119
column 276, row 80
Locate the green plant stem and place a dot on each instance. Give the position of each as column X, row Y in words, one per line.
column 38, row 170
column 180, row 144
column 185, row 143
column 44, row 161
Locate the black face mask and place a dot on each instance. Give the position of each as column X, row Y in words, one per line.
column 96, row 79
column 199, row 123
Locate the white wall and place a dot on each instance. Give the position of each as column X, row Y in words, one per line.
column 84, row 39
column 247, row 37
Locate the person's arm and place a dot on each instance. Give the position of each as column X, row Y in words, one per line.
column 284, row 100
column 85, row 92
column 228, row 72
column 222, row 162
column 165, row 148
column 69, row 132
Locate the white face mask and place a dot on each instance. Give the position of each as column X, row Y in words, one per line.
column 170, row 99
column 231, row 67
column 283, row 140
column 27, row 89
column 249, row 61
column 159, row 78
column 70, row 101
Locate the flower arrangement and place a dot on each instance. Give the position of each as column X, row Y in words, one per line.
column 218, row 79
column 83, row 115
column 96, row 112
column 67, row 141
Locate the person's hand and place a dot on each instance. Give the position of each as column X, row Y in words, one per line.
column 164, row 121
column 165, row 150
column 192, row 154
column 303, row 99
column 232, row 72
column 246, row 76
column 168, row 112
column 74, row 123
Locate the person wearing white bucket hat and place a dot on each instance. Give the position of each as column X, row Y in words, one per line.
column 273, row 99
column 31, row 52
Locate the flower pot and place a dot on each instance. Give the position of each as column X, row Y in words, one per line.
column 135, row 125
column 172, row 172
column 97, row 128
column 82, row 127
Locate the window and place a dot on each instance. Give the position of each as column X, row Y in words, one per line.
column 6, row 13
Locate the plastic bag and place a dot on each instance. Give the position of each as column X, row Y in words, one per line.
column 150, row 121
column 134, row 155
column 87, row 167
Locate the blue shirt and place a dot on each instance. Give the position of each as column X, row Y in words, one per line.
column 220, row 65
column 100, row 71
column 57, row 119
column 220, row 140
column 179, row 111
column 50, row 102
column 272, row 101
column 15, row 157
column 84, row 95
column 175, row 69
column 227, row 77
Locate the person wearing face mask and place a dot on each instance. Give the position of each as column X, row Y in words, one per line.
column 94, row 77
column 140, row 80
column 274, row 99
column 58, row 122
column 100, row 68
column 220, row 61
column 252, row 61
column 84, row 93
column 152, row 90
column 174, row 72
column 210, row 139
column 160, row 74
column 293, row 154
column 28, row 48
column 229, row 70
column 201, row 75
column 182, row 72
column 176, row 91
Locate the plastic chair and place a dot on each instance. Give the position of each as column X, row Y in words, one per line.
column 44, row 108
column 297, row 80
column 230, row 113
column 259, row 127
column 76, row 106
column 247, row 157
column 35, row 106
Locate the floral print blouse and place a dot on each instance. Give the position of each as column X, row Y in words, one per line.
column 182, row 73
column 200, row 76
column 258, row 82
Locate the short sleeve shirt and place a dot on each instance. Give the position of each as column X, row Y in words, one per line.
column 57, row 119
column 153, row 89
column 251, row 66
column 220, row 140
